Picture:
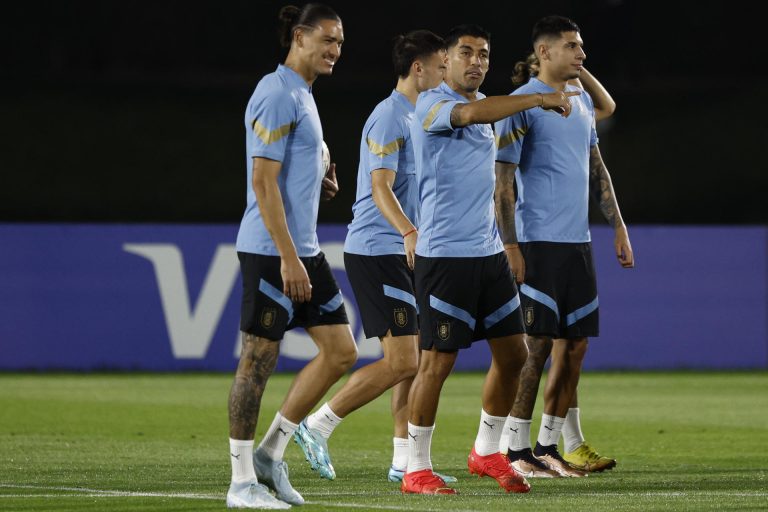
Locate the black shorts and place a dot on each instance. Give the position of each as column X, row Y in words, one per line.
column 383, row 287
column 267, row 313
column 560, row 291
column 466, row 299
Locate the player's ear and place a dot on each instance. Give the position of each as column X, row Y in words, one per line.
column 298, row 37
column 542, row 50
column 417, row 67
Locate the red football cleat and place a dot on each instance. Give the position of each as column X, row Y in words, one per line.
column 497, row 465
column 424, row 482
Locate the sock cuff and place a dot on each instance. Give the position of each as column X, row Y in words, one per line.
column 485, row 415
column 279, row 417
column 546, row 418
column 521, row 420
column 416, row 428
column 326, row 409
column 240, row 442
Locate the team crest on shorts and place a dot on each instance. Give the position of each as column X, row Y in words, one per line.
column 401, row 317
column 268, row 317
column 528, row 316
column 443, row 330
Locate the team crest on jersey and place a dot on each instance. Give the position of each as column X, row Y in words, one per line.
column 268, row 317
column 528, row 316
column 401, row 317
column 443, row 330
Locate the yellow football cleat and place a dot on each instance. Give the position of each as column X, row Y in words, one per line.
column 586, row 458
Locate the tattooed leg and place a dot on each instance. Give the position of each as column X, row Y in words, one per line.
column 257, row 361
column 539, row 348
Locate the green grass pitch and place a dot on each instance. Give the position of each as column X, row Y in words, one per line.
column 684, row 441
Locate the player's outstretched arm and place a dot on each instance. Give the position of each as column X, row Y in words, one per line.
column 382, row 181
column 605, row 106
column 495, row 108
column 601, row 188
column 295, row 279
column 504, row 198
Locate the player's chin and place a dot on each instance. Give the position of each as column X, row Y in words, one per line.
column 325, row 68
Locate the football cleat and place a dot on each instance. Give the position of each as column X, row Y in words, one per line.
column 252, row 495
column 529, row 466
column 315, row 449
column 497, row 466
column 586, row 458
column 274, row 474
column 551, row 457
column 424, row 482
column 396, row 475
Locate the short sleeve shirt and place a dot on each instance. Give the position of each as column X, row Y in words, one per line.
column 456, row 178
column 282, row 124
column 552, row 153
column 385, row 144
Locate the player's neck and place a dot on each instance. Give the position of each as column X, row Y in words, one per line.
column 407, row 87
column 554, row 82
column 458, row 89
column 303, row 69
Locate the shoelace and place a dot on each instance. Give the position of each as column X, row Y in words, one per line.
column 428, row 479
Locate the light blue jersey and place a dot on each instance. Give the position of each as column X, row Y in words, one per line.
column 552, row 153
column 385, row 144
column 282, row 124
column 455, row 173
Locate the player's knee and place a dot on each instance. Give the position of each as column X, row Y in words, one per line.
column 437, row 367
column 404, row 368
column 576, row 351
column 513, row 358
column 344, row 357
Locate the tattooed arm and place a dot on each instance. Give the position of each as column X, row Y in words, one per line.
column 504, row 197
column 601, row 188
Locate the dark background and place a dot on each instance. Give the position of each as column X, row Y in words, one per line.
column 132, row 111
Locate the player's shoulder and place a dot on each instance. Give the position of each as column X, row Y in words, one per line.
column 530, row 87
column 275, row 88
column 429, row 98
column 387, row 113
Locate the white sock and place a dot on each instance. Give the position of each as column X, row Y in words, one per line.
column 400, row 454
column 277, row 437
column 488, row 433
column 419, row 444
column 550, row 429
column 241, row 457
column 323, row 421
column 519, row 431
column 572, row 435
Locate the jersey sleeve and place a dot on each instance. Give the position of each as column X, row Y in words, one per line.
column 593, row 140
column 272, row 118
column 433, row 111
column 385, row 139
column 510, row 133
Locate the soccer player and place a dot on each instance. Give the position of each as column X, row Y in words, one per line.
column 547, row 232
column 378, row 255
column 577, row 452
column 465, row 290
column 287, row 281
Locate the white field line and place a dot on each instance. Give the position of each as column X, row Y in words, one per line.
column 102, row 493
